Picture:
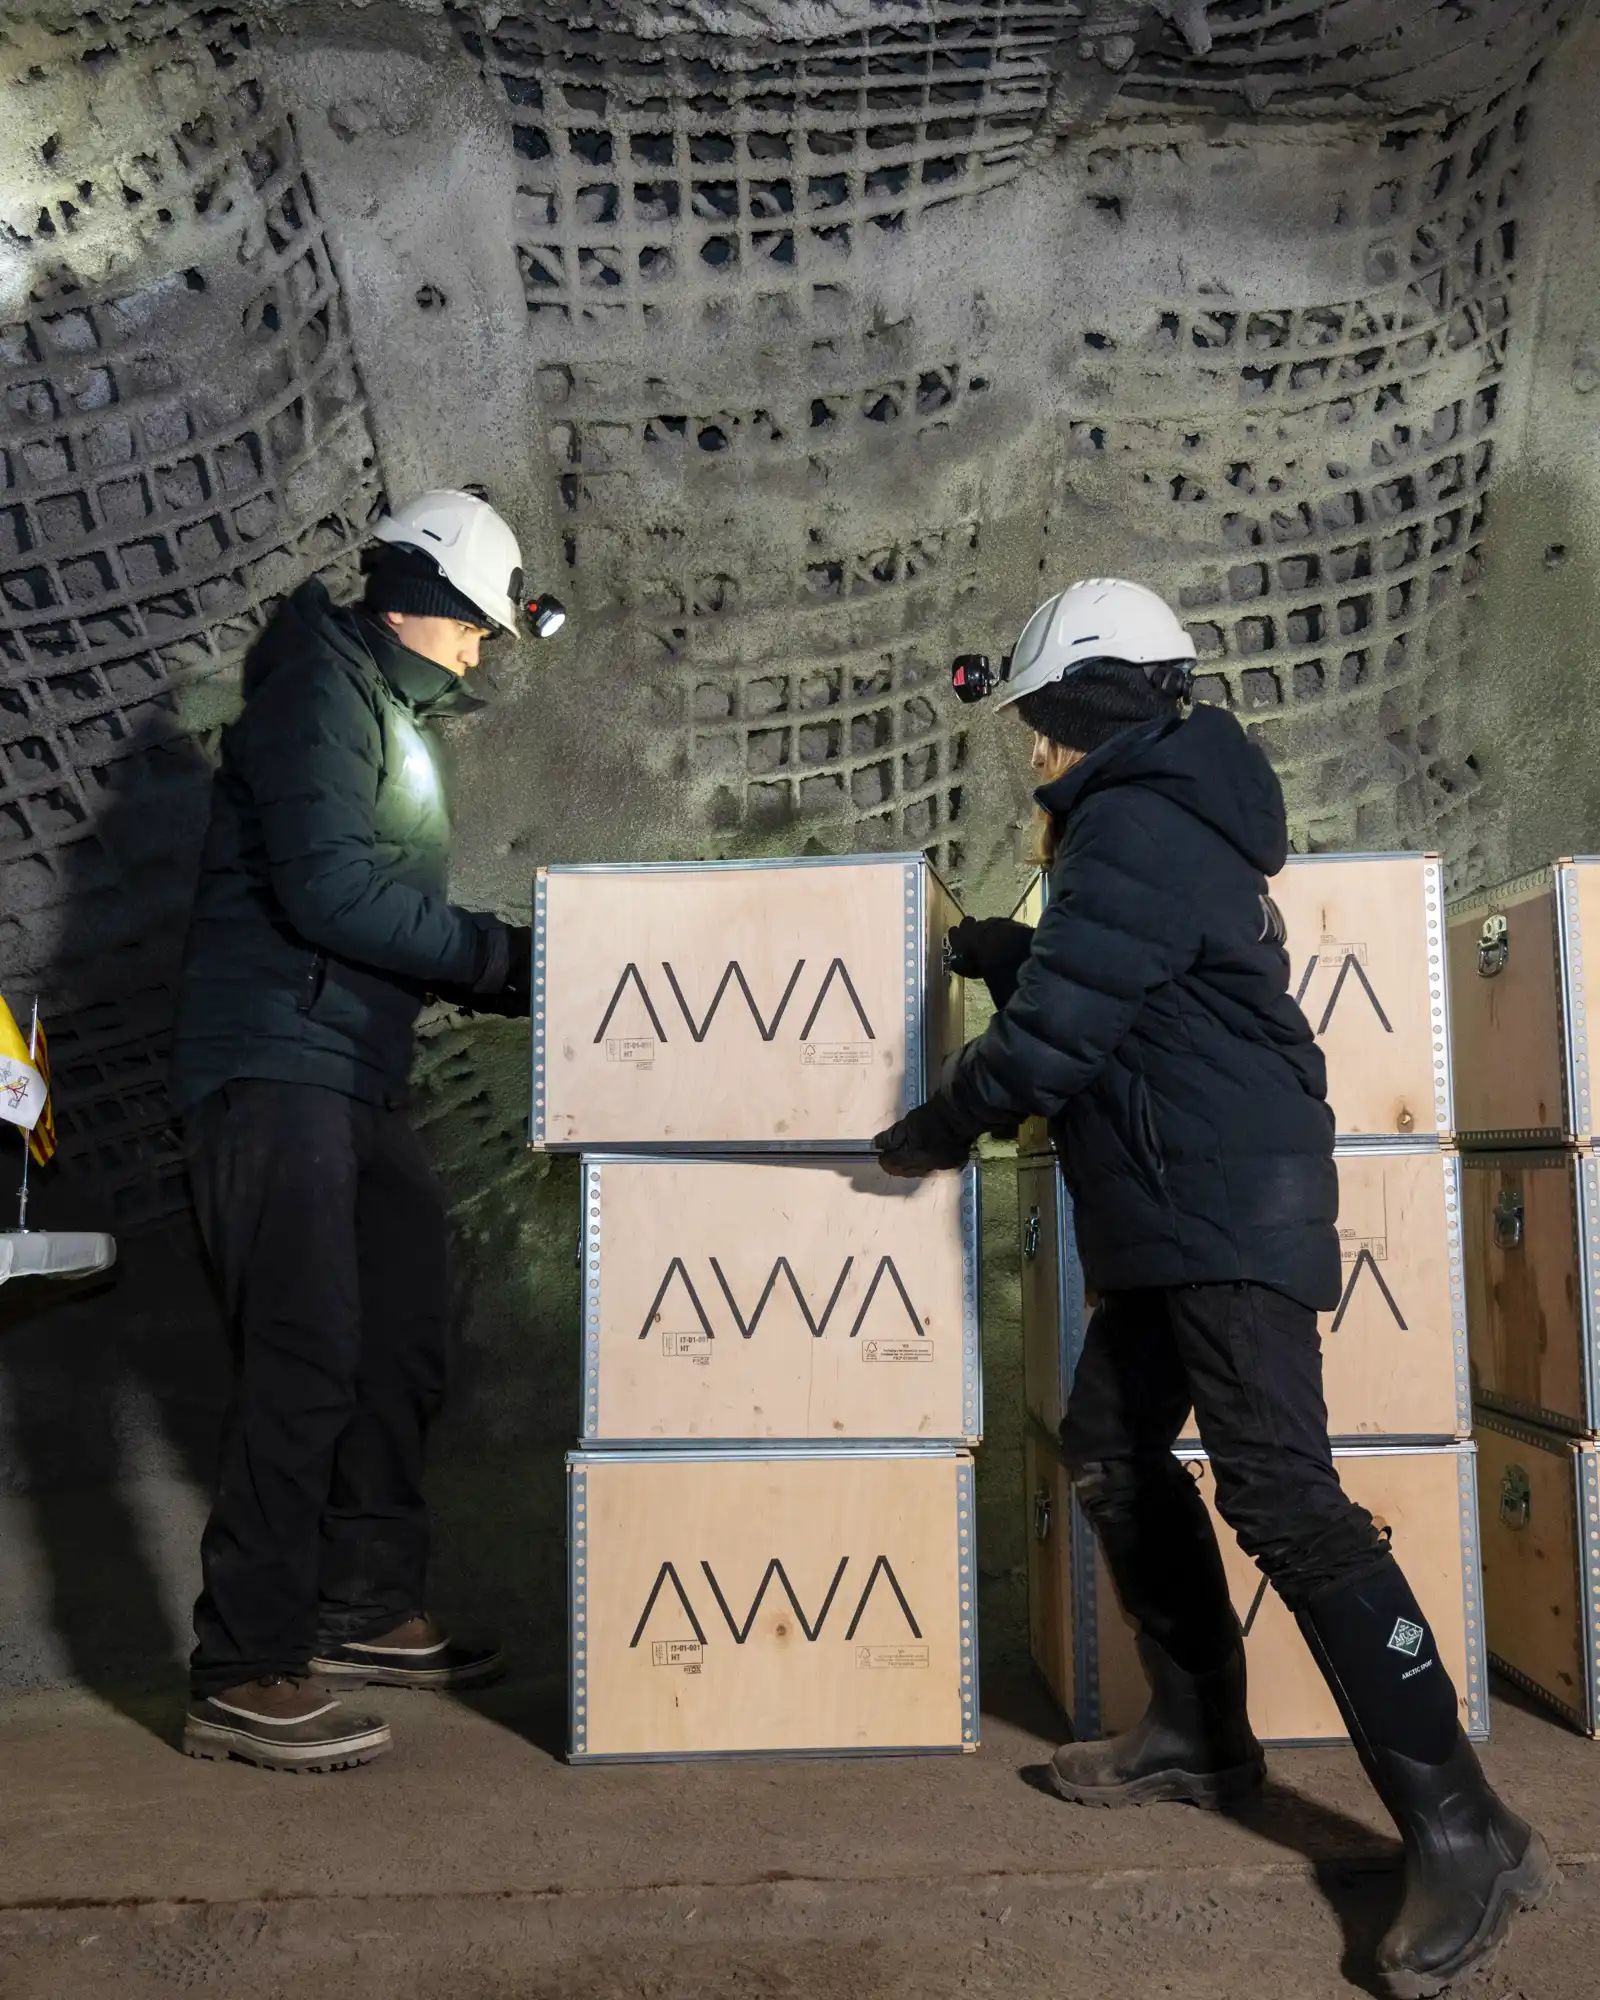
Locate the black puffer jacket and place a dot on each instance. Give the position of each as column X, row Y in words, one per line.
column 321, row 921
column 1152, row 1025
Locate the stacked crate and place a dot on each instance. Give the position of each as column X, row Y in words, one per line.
column 771, row 1512
column 1367, row 952
column 1523, row 964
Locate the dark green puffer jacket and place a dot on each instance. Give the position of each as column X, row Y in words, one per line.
column 321, row 921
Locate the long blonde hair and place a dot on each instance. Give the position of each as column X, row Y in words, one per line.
column 1055, row 762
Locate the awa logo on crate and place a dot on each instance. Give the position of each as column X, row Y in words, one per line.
column 1341, row 961
column 734, row 974
column 775, row 1571
column 781, row 1269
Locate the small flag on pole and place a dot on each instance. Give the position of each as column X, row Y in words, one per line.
column 42, row 1139
column 24, row 1089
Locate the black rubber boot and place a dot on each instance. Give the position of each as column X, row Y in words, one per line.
column 1193, row 1745
column 1470, row 1863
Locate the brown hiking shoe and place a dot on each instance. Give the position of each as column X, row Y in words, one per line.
column 282, row 1726
column 417, row 1654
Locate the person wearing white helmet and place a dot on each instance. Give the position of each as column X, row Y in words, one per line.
column 1148, row 1017
column 322, row 925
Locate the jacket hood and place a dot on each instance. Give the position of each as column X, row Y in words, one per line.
column 309, row 621
column 1202, row 762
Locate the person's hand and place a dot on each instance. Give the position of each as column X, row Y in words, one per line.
column 979, row 947
column 926, row 1141
column 514, row 1000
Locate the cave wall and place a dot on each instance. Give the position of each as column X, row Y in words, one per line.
column 805, row 345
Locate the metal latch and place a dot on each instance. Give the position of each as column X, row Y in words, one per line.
column 1041, row 1515
column 1494, row 945
column 1030, row 1235
column 1508, row 1218
column 1516, row 1497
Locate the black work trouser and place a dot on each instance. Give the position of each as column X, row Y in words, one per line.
column 1249, row 1361
column 326, row 1230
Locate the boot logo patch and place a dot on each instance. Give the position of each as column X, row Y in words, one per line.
column 1406, row 1638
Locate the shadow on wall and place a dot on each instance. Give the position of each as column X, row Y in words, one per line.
column 109, row 1391
column 112, row 1394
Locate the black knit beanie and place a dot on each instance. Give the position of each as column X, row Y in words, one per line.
column 400, row 578
column 1093, row 703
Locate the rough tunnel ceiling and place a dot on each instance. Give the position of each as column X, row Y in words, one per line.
column 808, row 419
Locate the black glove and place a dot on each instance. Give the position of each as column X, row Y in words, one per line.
column 926, row 1141
column 993, row 949
column 514, row 1000
column 510, row 992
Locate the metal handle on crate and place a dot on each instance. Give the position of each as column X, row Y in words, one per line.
column 1516, row 1497
column 1030, row 1235
column 1041, row 1515
column 1494, row 945
column 1509, row 1215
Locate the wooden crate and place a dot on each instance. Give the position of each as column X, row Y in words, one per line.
column 777, row 1601
column 744, row 1004
column 764, row 1299
column 1524, row 1022
column 1367, row 965
column 1394, row 1348
column 1539, row 1497
column 1531, row 1225
column 1084, row 1647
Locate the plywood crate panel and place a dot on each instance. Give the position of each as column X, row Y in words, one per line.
column 1531, row 1223
column 783, row 1601
column 1426, row 1495
column 771, row 1299
column 1367, row 966
column 1539, row 1498
column 1524, row 990
column 759, row 1004
column 1394, row 1348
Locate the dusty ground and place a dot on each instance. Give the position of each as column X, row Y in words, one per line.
column 472, row 1862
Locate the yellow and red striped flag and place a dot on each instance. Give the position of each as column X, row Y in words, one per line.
column 42, row 1139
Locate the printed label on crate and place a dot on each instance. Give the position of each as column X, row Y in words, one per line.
column 688, row 1346
column 638, row 1049
column 686, row 1653
column 893, row 1657
column 897, row 1350
column 1353, row 1244
column 836, row 1055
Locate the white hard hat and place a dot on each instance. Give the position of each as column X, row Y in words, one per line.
column 1101, row 618
column 475, row 550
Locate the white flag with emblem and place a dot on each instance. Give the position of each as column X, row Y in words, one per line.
column 22, row 1086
